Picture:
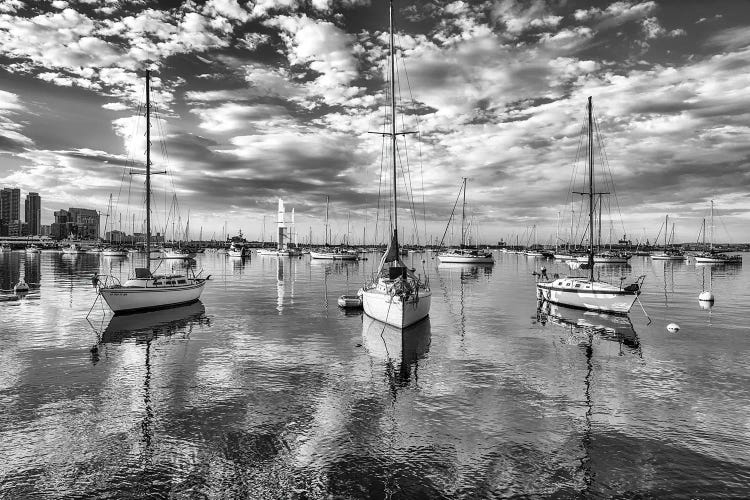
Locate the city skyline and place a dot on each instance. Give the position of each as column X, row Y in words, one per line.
column 274, row 99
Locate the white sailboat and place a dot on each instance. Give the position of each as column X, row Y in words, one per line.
column 588, row 292
column 73, row 249
column 712, row 256
column 145, row 291
column 396, row 295
column 236, row 249
column 463, row 255
column 668, row 253
column 329, row 253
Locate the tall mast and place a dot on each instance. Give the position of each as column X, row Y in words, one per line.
column 463, row 210
column 712, row 225
column 393, row 122
column 148, row 173
column 666, row 228
column 591, row 193
column 326, row 228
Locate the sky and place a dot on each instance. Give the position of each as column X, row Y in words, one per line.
column 266, row 99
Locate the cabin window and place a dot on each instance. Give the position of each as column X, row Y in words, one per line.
column 559, row 283
column 567, row 284
column 180, row 282
column 578, row 285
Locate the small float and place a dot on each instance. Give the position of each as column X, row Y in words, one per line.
column 350, row 301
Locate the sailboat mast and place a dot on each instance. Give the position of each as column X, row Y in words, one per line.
column 666, row 227
column 591, row 193
column 326, row 228
column 712, row 225
column 393, row 121
column 463, row 211
column 148, row 173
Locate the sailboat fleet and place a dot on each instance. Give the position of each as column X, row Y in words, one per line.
column 396, row 295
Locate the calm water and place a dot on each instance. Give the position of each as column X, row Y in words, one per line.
column 266, row 389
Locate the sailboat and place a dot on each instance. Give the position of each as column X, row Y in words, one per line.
column 668, row 253
column 145, row 291
column 465, row 255
column 396, row 295
column 711, row 256
column 588, row 292
column 329, row 253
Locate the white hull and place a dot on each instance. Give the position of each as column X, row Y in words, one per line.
column 139, row 298
column 333, row 256
column 172, row 254
column 465, row 259
column 599, row 259
column 266, row 252
column 235, row 253
column 662, row 256
column 716, row 260
column 114, row 253
column 32, row 250
column 564, row 256
column 596, row 296
column 391, row 310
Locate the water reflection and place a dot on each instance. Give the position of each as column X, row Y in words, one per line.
column 581, row 324
column 146, row 325
column 146, row 328
column 583, row 328
column 399, row 348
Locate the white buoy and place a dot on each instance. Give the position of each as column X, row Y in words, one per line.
column 673, row 327
column 706, row 296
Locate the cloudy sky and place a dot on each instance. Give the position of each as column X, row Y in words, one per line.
column 264, row 99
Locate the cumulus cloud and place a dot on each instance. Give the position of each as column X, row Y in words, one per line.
column 325, row 49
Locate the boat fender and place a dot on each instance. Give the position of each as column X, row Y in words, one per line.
column 673, row 327
column 95, row 280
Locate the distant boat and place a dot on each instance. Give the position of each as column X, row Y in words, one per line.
column 4, row 247
column 607, row 257
column 463, row 255
column 178, row 253
column 589, row 293
column 33, row 249
column 668, row 253
column 145, row 291
column 114, row 252
column 712, row 256
column 329, row 253
column 236, row 250
column 73, row 249
column 396, row 295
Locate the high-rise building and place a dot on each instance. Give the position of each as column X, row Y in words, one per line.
column 10, row 204
column 33, row 208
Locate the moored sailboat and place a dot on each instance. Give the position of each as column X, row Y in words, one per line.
column 463, row 255
column 145, row 291
column 711, row 256
column 668, row 253
column 588, row 292
column 396, row 295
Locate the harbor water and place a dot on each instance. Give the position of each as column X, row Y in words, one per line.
column 267, row 389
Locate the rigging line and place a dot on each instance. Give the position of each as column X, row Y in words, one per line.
column 406, row 172
column 419, row 143
column 451, row 217
column 406, row 153
column 605, row 161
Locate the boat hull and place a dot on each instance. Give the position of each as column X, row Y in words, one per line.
column 605, row 299
column 661, row 256
column 390, row 309
column 124, row 299
column 716, row 260
column 465, row 259
column 333, row 256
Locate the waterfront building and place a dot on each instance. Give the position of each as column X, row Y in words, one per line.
column 10, row 204
column 33, row 209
